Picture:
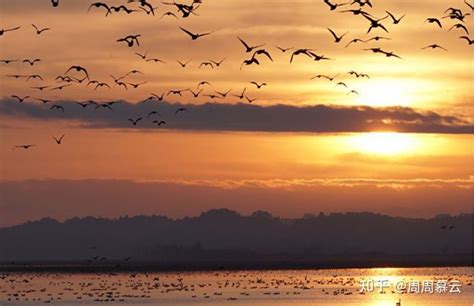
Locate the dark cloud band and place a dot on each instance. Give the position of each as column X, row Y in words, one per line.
column 245, row 117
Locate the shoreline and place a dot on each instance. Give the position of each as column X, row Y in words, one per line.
column 120, row 266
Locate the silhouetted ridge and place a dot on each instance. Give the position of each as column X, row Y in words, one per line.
column 222, row 235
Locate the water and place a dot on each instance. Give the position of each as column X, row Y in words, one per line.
column 306, row 287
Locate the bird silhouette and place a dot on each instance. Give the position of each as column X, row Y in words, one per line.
column 55, row 3
column 242, row 95
column 135, row 122
column 434, row 46
column 121, row 8
column 375, row 23
column 206, row 64
column 179, row 110
column 58, row 107
column 99, row 5
column 434, row 20
column 319, row 76
column 8, row 61
column 61, row 87
column 469, row 41
column 31, row 62
column 262, row 52
column 469, row 5
column 152, row 113
column 142, row 56
column 355, row 40
column 249, row 62
column 159, row 122
column 38, row 30
column 194, row 36
column 78, row 69
column 249, row 100
column 136, row 85
column 26, row 147
column 41, row 88
column 3, row 31
column 249, row 48
column 337, row 39
column 59, row 140
column 169, row 14
column 33, row 77
column 183, row 64
column 283, row 50
column 258, row 85
column 300, row 52
column 130, row 40
column 20, row 99
column 333, row 6
column 218, row 63
column 395, row 19
column 459, row 26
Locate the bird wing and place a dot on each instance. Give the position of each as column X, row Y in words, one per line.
column 187, row 32
column 244, row 43
column 333, row 34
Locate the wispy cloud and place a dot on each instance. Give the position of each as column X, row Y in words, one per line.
column 247, row 117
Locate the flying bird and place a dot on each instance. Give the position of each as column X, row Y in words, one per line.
column 134, row 122
column 136, row 85
column 249, row 48
column 249, row 62
column 395, row 19
column 319, row 76
column 283, row 49
column 58, row 107
column 38, row 30
column 300, row 52
column 217, row 64
column 3, row 31
column 130, row 40
column 337, row 39
column 333, row 6
column 60, row 87
column 355, row 40
column 434, row 20
column 193, row 35
column 375, row 23
column 459, row 26
column 20, row 99
column 183, row 64
column 434, row 46
column 78, row 69
column 8, row 61
column 258, row 85
column 26, row 147
column 99, row 5
column 31, row 62
column 469, row 41
column 159, row 122
column 34, row 76
column 59, row 140
column 179, row 110
column 206, row 64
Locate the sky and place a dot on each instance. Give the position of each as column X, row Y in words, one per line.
column 403, row 145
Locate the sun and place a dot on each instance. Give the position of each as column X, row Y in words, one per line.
column 384, row 143
column 386, row 92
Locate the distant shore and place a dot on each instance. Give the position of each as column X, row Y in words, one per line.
column 465, row 260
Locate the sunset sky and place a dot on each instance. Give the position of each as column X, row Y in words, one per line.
column 403, row 146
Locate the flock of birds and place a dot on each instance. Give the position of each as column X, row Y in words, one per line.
column 116, row 288
column 257, row 53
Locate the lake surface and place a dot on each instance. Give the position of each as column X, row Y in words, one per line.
column 279, row 287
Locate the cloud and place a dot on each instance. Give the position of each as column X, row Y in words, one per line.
column 247, row 117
